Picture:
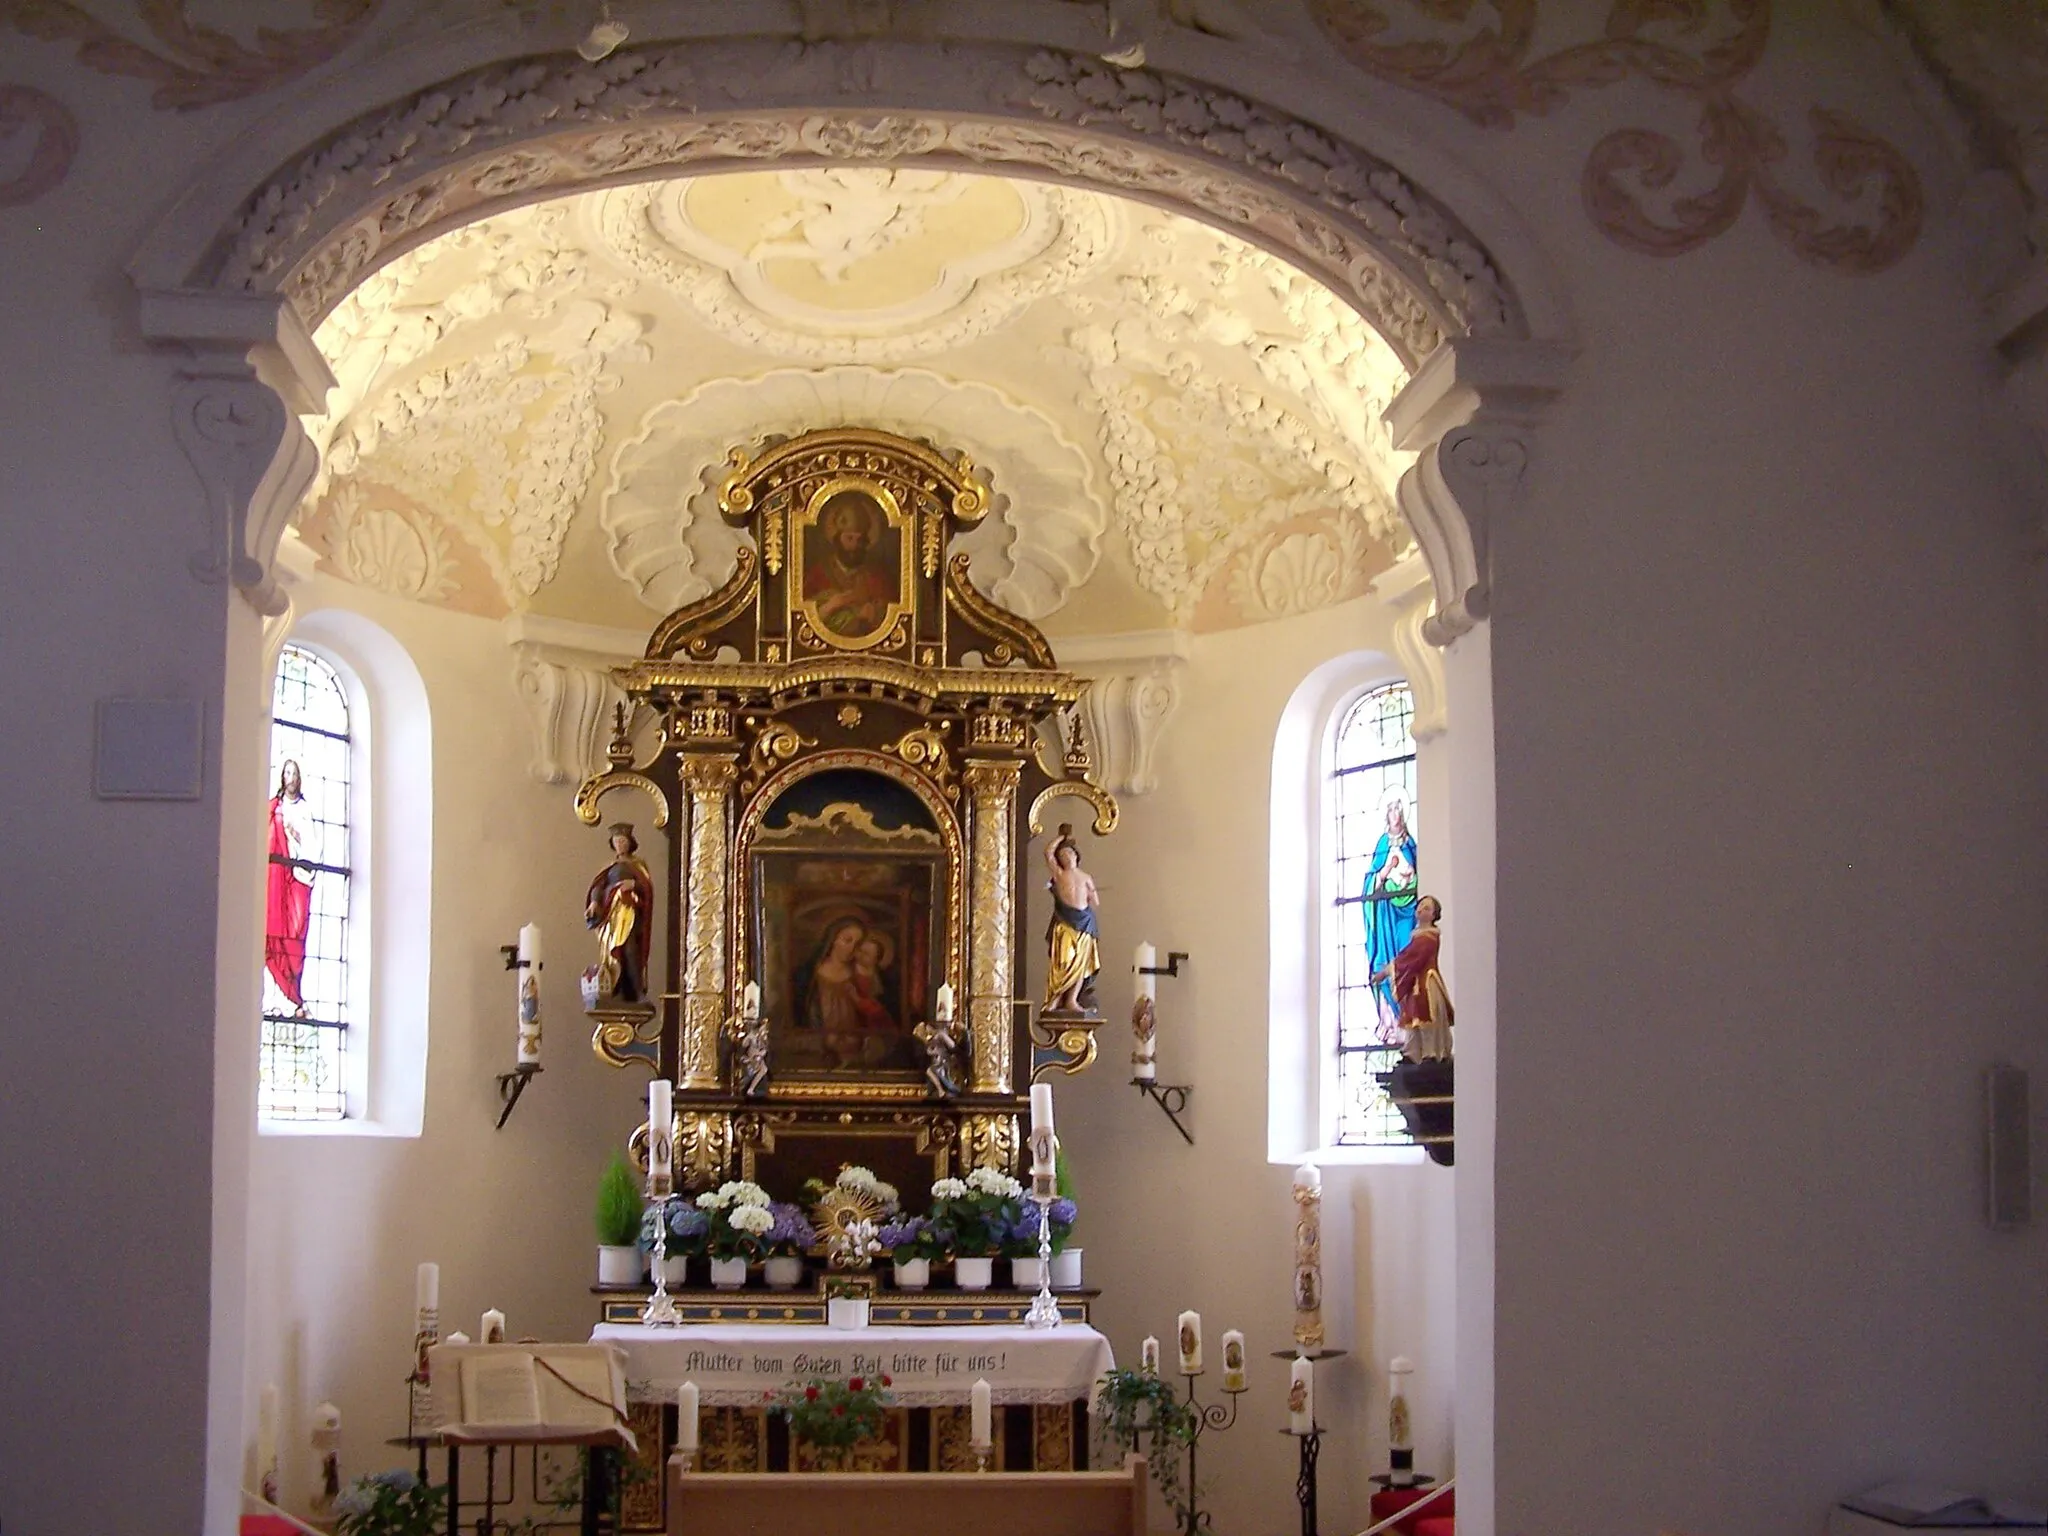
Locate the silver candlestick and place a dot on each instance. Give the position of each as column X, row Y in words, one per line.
column 661, row 1307
column 1045, row 1312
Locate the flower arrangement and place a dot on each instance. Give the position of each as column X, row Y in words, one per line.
column 1020, row 1240
column 974, row 1214
column 848, row 1210
column 1131, row 1404
column 738, row 1220
column 688, row 1228
column 792, row 1233
column 618, row 1205
column 833, row 1415
column 911, row 1237
column 390, row 1504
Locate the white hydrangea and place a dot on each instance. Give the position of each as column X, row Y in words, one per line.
column 751, row 1218
column 862, row 1180
column 742, row 1192
column 948, row 1189
column 990, row 1181
column 713, row 1200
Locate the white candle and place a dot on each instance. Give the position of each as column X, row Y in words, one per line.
column 1041, row 1129
column 529, row 995
column 457, row 1337
column 493, row 1329
column 981, row 1414
column 750, row 1000
column 686, row 1416
column 427, row 1289
column 1190, row 1332
column 660, row 1128
column 1301, row 1398
column 943, row 1008
column 1148, row 984
column 1148, row 1356
column 266, row 1444
column 1233, row 1361
column 1308, row 1176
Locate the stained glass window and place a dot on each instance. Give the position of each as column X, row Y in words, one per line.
column 1373, row 862
column 306, row 895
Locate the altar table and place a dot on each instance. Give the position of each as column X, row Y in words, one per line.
column 736, row 1365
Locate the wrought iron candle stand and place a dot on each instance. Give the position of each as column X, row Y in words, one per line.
column 1305, row 1479
column 1202, row 1417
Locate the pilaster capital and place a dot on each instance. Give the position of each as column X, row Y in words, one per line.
column 248, row 370
column 562, row 674
column 1406, row 588
column 1134, row 688
column 1469, row 414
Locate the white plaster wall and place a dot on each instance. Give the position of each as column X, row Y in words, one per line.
column 339, row 1223
column 1168, row 1226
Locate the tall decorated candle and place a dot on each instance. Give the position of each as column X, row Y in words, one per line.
column 1233, row 1361
column 426, row 1333
column 1188, row 1327
column 1308, row 1257
column 660, row 1135
column 1145, row 1018
column 1400, row 1424
column 1042, row 1158
column 266, row 1444
column 1301, row 1398
column 686, row 1416
column 528, row 972
column 1148, row 1356
column 981, row 1416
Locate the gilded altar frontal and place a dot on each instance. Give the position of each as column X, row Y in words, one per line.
column 854, row 747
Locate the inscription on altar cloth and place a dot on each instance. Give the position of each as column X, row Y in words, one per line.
column 906, row 1368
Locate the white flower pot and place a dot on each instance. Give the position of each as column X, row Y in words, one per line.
column 619, row 1265
column 728, row 1274
column 1024, row 1274
column 783, row 1271
column 1066, row 1270
column 846, row 1312
column 974, row 1274
column 913, row 1274
column 675, row 1270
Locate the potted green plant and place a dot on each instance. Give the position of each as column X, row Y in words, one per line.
column 391, row 1504
column 834, row 1417
column 1133, row 1404
column 618, row 1225
column 740, row 1222
column 974, row 1216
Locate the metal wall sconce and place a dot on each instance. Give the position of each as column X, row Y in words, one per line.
column 1172, row 1098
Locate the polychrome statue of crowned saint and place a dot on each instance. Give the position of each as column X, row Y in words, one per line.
column 620, row 907
column 1073, row 951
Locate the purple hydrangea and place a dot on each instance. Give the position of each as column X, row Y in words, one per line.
column 686, row 1222
column 792, row 1230
column 903, row 1231
column 1025, row 1228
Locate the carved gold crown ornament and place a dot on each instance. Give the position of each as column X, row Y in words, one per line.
column 850, row 740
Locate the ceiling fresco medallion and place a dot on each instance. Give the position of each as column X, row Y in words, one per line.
column 844, row 264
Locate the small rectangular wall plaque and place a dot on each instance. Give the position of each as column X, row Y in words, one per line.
column 149, row 749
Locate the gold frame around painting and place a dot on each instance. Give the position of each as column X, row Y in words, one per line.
column 808, row 537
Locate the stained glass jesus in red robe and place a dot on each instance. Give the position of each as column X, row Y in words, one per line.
column 289, row 902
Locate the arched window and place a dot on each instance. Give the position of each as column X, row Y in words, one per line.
column 309, row 994
column 1371, row 859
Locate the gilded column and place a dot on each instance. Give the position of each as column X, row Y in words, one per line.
column 992, row 925
column 709, row 781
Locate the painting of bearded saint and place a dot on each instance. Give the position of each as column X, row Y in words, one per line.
column 852, row 576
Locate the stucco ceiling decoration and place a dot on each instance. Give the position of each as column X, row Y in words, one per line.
column 531, row 410
column 1039, row 543
column 841, row 265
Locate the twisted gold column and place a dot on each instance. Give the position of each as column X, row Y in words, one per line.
column 709, row 781
column 992, row 928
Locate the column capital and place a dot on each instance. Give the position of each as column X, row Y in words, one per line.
column 1469, row 414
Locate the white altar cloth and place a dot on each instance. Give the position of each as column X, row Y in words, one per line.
column 736, row 1364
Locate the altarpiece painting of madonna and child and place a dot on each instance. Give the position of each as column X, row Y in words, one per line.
column 848, row 876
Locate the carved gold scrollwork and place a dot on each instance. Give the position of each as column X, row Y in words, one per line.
column 735, row 496
column 1013, row 635
column 970, row 501
column 989, row 1141
column 689, row 627
column 621, row 1037
column 595, row 789
column 1101, row 801
column 704, row 1141
column 925, row 748
column 1070, row 1047
column 775, row 745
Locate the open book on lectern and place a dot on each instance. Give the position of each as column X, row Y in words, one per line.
column 529, row 1391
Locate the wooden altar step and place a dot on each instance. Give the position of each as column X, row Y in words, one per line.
column 891, row 1504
